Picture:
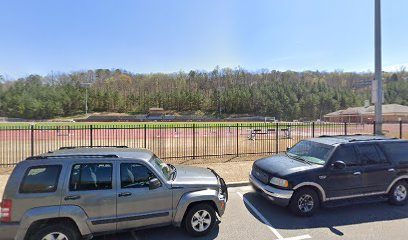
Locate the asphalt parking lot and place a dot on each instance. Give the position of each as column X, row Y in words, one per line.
column 251, row 216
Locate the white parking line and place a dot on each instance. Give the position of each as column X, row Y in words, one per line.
column 298, row 237
column 268, row 224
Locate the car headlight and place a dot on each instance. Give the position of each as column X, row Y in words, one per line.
column 279, row 182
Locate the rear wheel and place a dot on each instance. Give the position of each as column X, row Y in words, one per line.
column 304, row 202
column 200, row 220
column 399, row 193
column 57, row 232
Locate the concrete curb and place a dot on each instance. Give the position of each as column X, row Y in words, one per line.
column 238, row 184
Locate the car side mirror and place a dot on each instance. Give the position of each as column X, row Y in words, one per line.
column 287, row 149
column 154, row 183
column 339, row 165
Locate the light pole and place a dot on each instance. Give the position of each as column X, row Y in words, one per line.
column 220, row 90
column 86, row 85
column 378, row 73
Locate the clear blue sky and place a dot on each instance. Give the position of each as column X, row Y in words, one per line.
column 167, row 36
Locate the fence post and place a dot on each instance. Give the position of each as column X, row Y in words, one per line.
column 374, row 128
column 401, row 129
column 194, row 141
column 313, row 129
column 237, row 141
column 32, row 140
column 345, row 128
column 145, row 136
column 91, row 135
column 277, row 138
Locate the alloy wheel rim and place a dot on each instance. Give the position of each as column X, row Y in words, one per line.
column 305, row 203
column 400, row 193
column 201, row 221
column 55, row 236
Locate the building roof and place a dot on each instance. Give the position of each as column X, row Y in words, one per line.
column 387, row 109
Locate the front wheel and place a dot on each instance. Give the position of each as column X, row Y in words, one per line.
column 399, row 194
column 304, row 202
column 200, row 220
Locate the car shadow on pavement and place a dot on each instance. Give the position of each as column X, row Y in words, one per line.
column 282, row 218
column 160, row 233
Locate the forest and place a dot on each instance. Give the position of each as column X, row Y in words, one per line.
column 285, row 95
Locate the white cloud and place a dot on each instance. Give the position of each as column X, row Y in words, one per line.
column 396, row 68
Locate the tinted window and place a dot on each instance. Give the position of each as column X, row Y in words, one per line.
column 95, row 176
column 135, row 175
column 348, row 155
column 40, row 179
column 370, row 154
column 396, row 152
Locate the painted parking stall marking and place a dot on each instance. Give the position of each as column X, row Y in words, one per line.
column 268, row 224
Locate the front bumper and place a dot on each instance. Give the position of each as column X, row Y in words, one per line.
column 8, row 230
column 278, row 196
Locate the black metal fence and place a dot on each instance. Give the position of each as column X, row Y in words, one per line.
column 175, row 141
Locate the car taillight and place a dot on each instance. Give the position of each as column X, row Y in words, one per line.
column 5, row 214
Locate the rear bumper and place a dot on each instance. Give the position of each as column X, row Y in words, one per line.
column 8, row 230
column 278, row 196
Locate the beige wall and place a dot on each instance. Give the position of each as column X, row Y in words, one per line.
column 366, row 118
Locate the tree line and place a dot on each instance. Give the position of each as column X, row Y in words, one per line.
column 284, row 95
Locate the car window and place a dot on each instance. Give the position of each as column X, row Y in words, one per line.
column 348, row 155
column 135, row 175
column 396, row 152
column 93, row 176
column 370, row 154
column 40, row 179
column 311, row 151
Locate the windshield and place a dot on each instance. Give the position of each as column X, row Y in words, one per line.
column 311, row 152
column 161, row 167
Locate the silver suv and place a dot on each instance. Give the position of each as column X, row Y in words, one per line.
column 77, row 193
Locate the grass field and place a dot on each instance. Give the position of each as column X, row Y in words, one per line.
column 166, row 124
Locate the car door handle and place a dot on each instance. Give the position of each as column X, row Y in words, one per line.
column 125, row 194
column 357, row 173
column 391, row 170
column 73, row 197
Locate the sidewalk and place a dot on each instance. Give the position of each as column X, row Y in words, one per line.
column 232, row 169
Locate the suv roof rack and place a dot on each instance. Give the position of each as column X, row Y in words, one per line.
column 350, row 138
column 73, row 156
column 75, row 147
column 334, row 136
column 372, row 139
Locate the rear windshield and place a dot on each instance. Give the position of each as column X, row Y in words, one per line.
column 40, row 179
column 311, row 152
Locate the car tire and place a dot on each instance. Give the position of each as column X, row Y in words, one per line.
column 399, row 194
column 304, row 202
column 200, row 220
column 63, row 231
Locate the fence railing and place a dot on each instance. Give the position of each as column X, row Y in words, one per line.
column 175, row 141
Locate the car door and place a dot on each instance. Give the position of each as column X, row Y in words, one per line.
column 378, row 172
column 339, row 183
column 137, row 205
column 91, row 187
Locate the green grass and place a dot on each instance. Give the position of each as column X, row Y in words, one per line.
column 126, row 124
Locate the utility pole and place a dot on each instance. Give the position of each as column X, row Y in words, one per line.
column 378, row 73
column 220, row 91
column 86, row 85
